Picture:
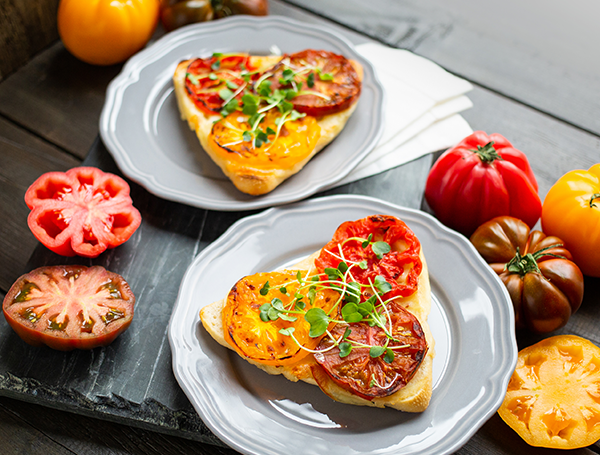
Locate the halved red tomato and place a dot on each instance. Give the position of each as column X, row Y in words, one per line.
column 81, row 212
column 400, row 267
column 330, row 84
column 207, row 77
column 69, row 307
column 260, row 340
column 372, row 377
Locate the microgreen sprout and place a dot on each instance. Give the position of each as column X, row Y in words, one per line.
column 371, row 309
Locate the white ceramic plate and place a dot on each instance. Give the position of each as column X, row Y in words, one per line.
column 472, row 322
column 142, row 128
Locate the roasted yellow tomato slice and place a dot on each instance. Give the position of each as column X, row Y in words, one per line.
column 254, row 331
column 553, row 397
column 273, row 141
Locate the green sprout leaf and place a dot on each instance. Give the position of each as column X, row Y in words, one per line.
column 363, row 264
column 345, row 349
column 295, row 115
column 389, row 356
column 367, row 242
column 312, row 293
column 365, row 308
column 277, row 304
column 287, row 332
column 350, row 313
column 325, row 76
column 264, row 312
column 381, row 248
column 342, row 267
column 232, row 85
column 376, row 351
column 310, row 80
column 247, row 137
column 225, row 94
column 265, row 289
column 318, row 320
column 383, row 286
column 213, row 77
column 333, row 274
column 352, row 292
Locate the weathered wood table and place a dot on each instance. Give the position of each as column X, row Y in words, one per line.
column 535, row 67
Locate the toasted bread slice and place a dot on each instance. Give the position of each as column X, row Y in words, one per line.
column 254, row 177
column 414, row 397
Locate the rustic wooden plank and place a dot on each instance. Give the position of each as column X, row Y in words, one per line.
column 58, row 97
column 542, row 54
column 23, row 159
column 19, row 437
column 26, row 27
column 24, row 426
column 497, row 438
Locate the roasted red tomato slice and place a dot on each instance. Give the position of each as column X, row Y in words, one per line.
column 206, row 78
column 329, row 82
column 400, row 267
column 69, row 307
column 371, row 377
column 81, row 212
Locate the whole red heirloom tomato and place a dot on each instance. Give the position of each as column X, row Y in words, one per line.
column 69, row 307
column 105, row 32
column 480, row 178
column 545, row 286
column 81, row 212
column 571, row 211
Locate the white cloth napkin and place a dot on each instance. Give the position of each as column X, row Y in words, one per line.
column 421, row 111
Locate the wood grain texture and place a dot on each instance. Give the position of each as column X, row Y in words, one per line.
column 541, row 53
column 50, row 431
column 552, row 147
column 58, row 97
column 23, row 158
column 26, row 27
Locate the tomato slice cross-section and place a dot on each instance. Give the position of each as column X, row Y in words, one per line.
column 260, row 340
column 373, row 377
column 81, row 212
column 69, row 307
column 327, row 83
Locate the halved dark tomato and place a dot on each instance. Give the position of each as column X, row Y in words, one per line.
column 373, row 377
column 206, row 77
column 69, row 307
column 400, row 267
column 259, row 340
column 330, row 84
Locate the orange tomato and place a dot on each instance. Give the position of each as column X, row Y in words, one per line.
column 285, row 150
column 260, row 340
column 105, row 32
column 571, row 211
column 553, row 397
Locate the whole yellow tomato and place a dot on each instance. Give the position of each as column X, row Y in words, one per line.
column 571, row 211
column 105, row 32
